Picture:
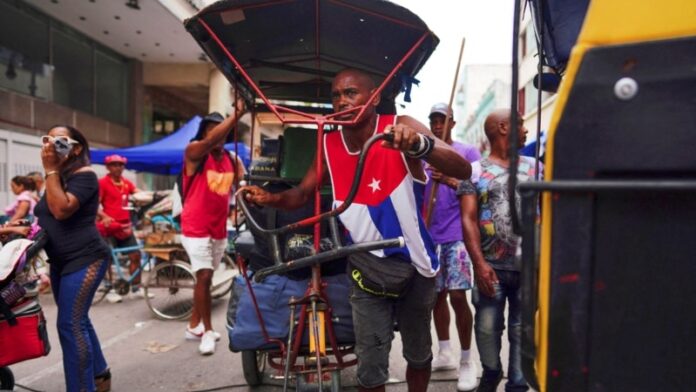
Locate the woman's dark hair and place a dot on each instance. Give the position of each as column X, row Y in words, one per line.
column 25, row 181
column 75, row 162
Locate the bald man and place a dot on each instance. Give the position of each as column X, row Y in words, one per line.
column 494, row 250
column 386, row 205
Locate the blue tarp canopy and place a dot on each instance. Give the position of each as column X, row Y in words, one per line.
column 166, row 155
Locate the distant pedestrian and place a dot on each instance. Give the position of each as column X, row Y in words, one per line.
column 494, row 251
column 77, row 254
column 114, row 220
column 23, row 206
column 39, row 182
column 454, row 277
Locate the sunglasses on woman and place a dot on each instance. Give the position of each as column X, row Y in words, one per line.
column 64, row 140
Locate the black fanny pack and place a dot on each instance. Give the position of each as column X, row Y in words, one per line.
column 380, row 276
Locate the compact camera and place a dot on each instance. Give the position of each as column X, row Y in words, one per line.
column 62, row 146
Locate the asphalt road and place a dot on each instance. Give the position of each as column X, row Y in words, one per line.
column 147, row 354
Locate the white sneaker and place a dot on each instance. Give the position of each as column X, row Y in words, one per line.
column 140, row 294
column 207, row 346
column 467, row 377
column 197, row 333
column 443, row 361
column 113, row 297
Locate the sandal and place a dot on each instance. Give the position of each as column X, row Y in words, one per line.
column 103, row 381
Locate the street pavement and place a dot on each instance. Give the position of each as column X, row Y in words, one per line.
column 147, row 354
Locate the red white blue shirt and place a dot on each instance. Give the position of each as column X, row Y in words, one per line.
column 387, row 202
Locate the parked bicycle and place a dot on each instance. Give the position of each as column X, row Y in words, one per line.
column 165, row 269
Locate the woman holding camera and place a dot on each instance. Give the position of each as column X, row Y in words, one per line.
column 77, row 254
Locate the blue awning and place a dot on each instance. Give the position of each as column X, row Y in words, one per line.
column 166, row 155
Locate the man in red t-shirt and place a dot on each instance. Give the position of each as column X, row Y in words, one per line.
column 209, row 174
column 114, row 221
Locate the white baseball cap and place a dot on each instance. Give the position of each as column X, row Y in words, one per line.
column 441, row 108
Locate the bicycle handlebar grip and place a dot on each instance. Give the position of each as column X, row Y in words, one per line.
column 389, row 138
column 241, row 200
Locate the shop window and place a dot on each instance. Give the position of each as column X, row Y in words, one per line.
column 73, row 78
column 74, row 71
column 24, row 51
column 25, row 31
column 112, row 87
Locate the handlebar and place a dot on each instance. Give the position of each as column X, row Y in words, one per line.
column 241, row 195
column 389, row 137
column 328, row 256
column 279, row 266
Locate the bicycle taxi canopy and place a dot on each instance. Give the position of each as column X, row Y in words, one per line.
column 290, row 50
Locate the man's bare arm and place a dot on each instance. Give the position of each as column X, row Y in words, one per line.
column 443, row 157
column 290, row 199
column 484, row 275
column 197, row 150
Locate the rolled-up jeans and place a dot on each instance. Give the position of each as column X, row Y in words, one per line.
column 489, row 325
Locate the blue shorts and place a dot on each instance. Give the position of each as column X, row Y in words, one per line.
column 455, row 267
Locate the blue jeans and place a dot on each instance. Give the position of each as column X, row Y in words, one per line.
column 82, row 354
column 489, row 325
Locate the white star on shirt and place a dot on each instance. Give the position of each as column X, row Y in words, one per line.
column 374, row 185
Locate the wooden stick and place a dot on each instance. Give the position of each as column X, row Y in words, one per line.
column 445, row 136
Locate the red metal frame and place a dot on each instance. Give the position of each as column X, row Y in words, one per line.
column 315, row 119
column 316, row 289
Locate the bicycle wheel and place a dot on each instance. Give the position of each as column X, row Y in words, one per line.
column 171, row 285
column 253, row 365
column 7, row 381
column 105, row 286
column 222, row 278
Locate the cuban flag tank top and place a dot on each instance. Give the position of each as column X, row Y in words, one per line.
column 387, row 204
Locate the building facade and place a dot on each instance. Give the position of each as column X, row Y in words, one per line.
column 122, row 72
column 474, row 82
column 486, row 87
column 496, row 96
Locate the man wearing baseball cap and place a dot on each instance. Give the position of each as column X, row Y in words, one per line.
column 114, row 221
column 454, row 277
column 209, row 174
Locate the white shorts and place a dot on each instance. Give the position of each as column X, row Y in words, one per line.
column 204, row 252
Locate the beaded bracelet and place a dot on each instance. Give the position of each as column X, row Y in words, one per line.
column 427, row 144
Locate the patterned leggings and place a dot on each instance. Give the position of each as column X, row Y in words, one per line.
column 82, row 355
